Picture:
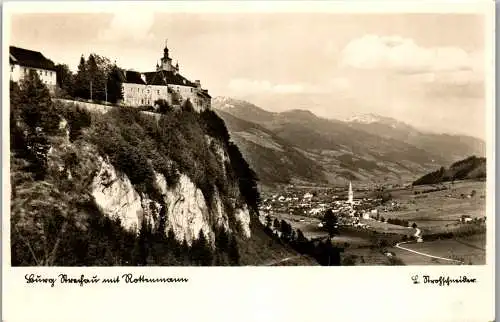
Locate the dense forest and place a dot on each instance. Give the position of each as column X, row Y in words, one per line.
column 470, row 168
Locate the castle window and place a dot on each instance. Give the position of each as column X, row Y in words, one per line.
column 45, row 73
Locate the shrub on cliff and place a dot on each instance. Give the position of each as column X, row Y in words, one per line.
column 33, row 118
column 78, row 119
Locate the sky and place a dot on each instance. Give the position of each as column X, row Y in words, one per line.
column 424, row 69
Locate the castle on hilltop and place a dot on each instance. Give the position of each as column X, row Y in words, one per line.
column 138, row 89
column 144, row 89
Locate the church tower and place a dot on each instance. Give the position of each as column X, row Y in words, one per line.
column 350, row 199
column 166, row 61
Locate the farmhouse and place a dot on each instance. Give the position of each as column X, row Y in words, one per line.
column 166, row 82
column 465, row 218
column 22, row 61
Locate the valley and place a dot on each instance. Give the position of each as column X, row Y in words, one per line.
column 450, row 218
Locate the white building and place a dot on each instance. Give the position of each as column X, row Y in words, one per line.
column 143, row 89
column 308, row 196
column 22, row 61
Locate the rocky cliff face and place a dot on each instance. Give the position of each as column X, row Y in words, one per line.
column 186, row 209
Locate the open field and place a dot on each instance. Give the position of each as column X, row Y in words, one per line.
column 434, row 210
column 308, row 225
column 364, row 256
column 470, row 250
column 383, row 227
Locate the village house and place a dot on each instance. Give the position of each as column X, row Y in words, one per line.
column 144, row 89
column 22, row 61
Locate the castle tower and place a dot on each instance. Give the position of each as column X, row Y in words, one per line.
column 166, row 61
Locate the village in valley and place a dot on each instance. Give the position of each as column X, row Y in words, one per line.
column 373, row 223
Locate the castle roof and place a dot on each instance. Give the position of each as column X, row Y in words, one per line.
column 29, row 58
column 160, row 77
column 163, row 77
column 133, row 77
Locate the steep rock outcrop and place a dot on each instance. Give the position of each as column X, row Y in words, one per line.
column 186, row 209
column 116, row 196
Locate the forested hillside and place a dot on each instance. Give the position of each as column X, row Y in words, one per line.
column 470, row 168
column 126, row 188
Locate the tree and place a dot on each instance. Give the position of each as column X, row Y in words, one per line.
column 221, row 239
column 414, row 225
column 286, row 230
column 17, row 139
column 34, row 118
column 201, row 250
column 331, row 223
column 187, row 106
column 65, row 79
column 163, row 106
column 142, row 246
column 268, row 221
column 96, row 86
column 384, row 196
column 276, row 224
column 233, row 253
column 82, row 80
column 114, row 85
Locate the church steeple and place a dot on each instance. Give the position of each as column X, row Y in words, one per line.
column 165, row 50
column 166, row 61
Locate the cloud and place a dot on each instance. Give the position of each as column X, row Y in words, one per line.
column 404, row 55
column 125, row 26
column 249, row 86
column 339, row 83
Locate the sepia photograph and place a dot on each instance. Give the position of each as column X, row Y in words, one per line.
column 248, row 161
column 161, row 138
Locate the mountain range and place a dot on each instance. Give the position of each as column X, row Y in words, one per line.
column 297, row 146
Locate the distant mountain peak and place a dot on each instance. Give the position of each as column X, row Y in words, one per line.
column 223, row 102
column 370, row 118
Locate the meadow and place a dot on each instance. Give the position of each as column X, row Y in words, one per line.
column 440, row 210
column 469, row 250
